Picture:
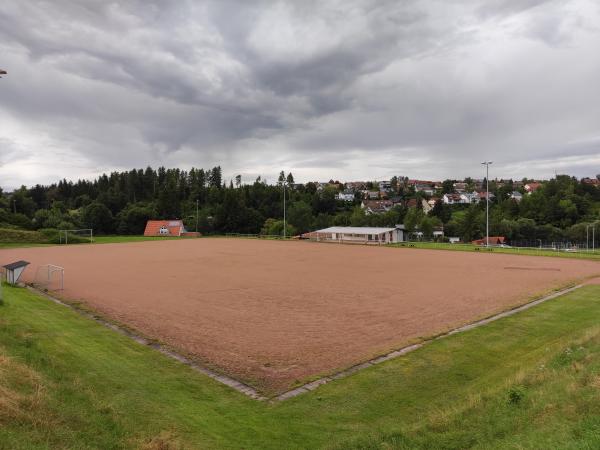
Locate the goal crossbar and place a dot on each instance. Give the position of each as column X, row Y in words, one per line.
column 63, row 235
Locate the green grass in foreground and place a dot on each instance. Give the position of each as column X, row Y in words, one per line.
column 529, row 381
column 509, row 250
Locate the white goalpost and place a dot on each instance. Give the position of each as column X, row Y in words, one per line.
column 50, row 277
column 84, row 233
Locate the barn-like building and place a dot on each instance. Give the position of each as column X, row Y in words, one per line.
column 163, row 228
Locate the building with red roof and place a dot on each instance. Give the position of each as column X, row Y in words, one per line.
column 165, row 228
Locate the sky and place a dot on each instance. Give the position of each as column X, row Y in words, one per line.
column 349, row 90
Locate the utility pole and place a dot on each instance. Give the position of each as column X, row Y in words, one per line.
column 487, row 202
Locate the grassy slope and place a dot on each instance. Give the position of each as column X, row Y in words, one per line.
column 67, row 382
column 510, row 250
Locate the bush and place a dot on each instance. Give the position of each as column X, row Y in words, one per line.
column 53, row 237
column 516, row 395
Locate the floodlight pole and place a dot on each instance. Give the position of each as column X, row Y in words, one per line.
column 284, row 230
column 197, row 202
column 487, row 202
column 587, row 237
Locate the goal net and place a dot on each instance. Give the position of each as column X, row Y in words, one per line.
column 76, row 236
column 49, row 277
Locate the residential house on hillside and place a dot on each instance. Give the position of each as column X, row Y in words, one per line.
column 376, row 206
column 372, row 195
column 427, row 189
column 532, row 187
column 470, row 197
column 452, row 199
column 385, row 185
column 460, row 187
column 430, row 204
column 482, row 195
column 356, row 186
column 427, row 206
column 347, row 196
column 411, row 203
column 516, row 196
column 591, row 181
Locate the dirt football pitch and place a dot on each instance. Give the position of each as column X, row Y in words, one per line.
column 274, row 313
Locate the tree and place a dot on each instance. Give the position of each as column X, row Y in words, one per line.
column 215, row 179
column 300, row 216
column 290, row 178
column 274, row 227
column 394, row 183
column 441, row 211
column 98, row 217
column 238, row 181
column 472, row 223
column 413, row 218
column 133, row 219
column 448, row 187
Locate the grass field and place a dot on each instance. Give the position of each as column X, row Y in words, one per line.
column 97, row 240
column 528, row 381
column 594, row 255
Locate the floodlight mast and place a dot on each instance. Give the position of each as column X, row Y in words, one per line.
column 487, row 202
column 284, row 230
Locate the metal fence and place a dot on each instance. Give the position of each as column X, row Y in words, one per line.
column 256, row 236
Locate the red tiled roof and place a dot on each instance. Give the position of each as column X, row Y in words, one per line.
column 494, row 240
column 172, row 227
column 531, row 187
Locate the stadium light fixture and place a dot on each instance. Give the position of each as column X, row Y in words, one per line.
column 487, row 202
column 2, row 72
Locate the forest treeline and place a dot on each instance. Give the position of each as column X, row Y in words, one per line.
column 121, row 203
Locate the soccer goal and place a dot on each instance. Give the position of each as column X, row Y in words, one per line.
column 76, row 236
column 49, row 277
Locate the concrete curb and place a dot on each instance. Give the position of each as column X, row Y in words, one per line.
column 409, row 348
column 254, row 394
column 223, row 379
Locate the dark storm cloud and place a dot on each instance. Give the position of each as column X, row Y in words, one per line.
column 342, row 89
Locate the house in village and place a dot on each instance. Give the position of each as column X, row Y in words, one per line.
column 346, row 196
column 376, row 206
column 158, row 228
column 516, row 196
column 452, row 199
column 530, row 188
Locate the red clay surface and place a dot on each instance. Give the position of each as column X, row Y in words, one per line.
column 272, row 313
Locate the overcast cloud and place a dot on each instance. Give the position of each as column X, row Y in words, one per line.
column 327, row 89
